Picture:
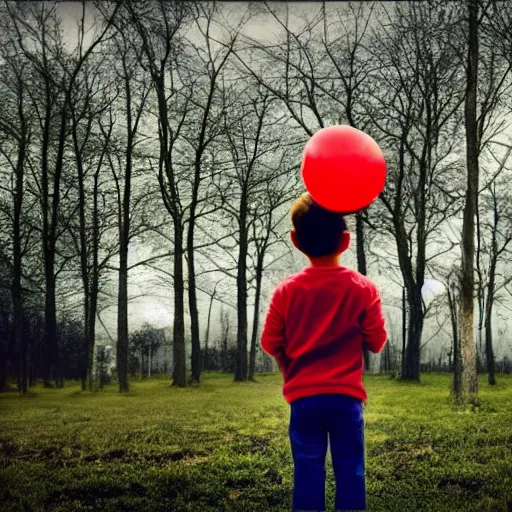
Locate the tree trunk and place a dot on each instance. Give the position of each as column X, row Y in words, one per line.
column 94, row 282
column 50, row 324
column 452, row 304
column 404, row 328
column 34, row 356
column 413, row 282
column 192, row 300
column 83, row 248
column 241, row 284
column 4, row 353
column 171, row 201
column 48, row 253
column 122, row 319
column 85, row 276
column 256, row 317
column 225, row 349
column 489, row 352
column 194, row 316
column 179, row 374
column 469, row 382
column 491, row 292
column 207, row 334
column 20, row 339
column 361, row 267
column 52, row 236
column 412, row 353
column 87, row 353
column 91, row 335
column 122, row 303
column 457, row 367
column 481, row 299
column 124, row 240
column 481, row 327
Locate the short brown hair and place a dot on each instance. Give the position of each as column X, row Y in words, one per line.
column 318, row 230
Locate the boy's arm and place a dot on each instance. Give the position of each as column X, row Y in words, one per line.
column 272, row 337
column 282, row 362
column 374, row 328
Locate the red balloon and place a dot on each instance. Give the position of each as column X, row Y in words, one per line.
column 343, row 169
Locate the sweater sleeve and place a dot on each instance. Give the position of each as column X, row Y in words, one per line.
column 273, row 338
column 374, row 331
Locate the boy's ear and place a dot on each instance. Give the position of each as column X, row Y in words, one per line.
column 344, row 241
column 295, row 242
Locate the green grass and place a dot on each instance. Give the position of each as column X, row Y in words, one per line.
column 224, row 446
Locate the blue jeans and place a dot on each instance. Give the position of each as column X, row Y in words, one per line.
column 311, row 420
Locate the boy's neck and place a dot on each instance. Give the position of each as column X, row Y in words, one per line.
column 332, row 260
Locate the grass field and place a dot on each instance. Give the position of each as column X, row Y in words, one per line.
column 224, row 446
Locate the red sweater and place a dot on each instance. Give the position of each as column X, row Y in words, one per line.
column 318, row 323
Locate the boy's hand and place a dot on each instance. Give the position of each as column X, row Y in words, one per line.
column 282, row 361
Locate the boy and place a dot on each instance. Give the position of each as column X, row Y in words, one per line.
column 317, row 326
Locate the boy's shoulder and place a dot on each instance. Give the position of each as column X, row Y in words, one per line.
column 366, row 286
column 286, row 280
column 361, row 279
column 358, row 279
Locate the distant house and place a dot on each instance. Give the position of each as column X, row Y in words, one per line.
column 161, row 360
column 104, row 360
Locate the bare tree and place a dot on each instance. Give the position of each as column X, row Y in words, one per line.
column 267, row 218
column 133, row 91
column 202, row 74
column 96, row 213
column 496, row 243
column 254, row 141
column 469, row 383
column 486, row 259
column 481, row 34
column 414, row 104
column 493, row 93
column 158, row 25
column 39, row 39
column 453, row 293
column 15, row 135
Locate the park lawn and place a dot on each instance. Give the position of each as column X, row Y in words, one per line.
column 222, row 445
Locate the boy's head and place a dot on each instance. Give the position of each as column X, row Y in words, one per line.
column 316, row 231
